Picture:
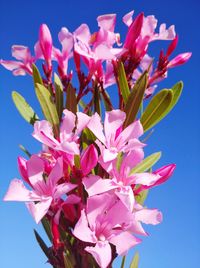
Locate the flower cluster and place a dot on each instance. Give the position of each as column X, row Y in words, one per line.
column 88, row 183
column 62, row 180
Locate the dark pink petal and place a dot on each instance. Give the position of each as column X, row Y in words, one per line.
column 22, row 166
column 123, row 242
column 45, row 41
column 179, row 60
column 89, row 159
column 101, row 253
column 165, row 173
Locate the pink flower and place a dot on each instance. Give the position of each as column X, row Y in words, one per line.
column 114, row 140
column 46, row 190
column 24, row 63
column 121, row 182
column 68, row 140
column 102, row 224
column 45, row 42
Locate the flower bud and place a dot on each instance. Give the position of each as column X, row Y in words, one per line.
column 89, row 159
column 45, row 41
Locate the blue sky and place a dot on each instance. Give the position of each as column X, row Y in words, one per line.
column 175, row 242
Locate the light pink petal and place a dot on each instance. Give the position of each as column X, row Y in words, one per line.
column 149, row 26
column 165, row 34
column 21, row 53
column 82, row 230
column 35, row 169
column 149, row 216
column 63, row 188
column 96, row 185
column 38, row 51
column 113, row 121
column 18, row 192
column 108, row 155
column 19, row 72
column 82, row 33
column 10, row 64
column 96, row 127
column 133, row 144
column 89, row 159
column 128, row 18
column 107, row 22
column 126, row 195
column 123, row 242
column 44, row 133
column 130, row 161
column 68, row 122
column 66, row 39
column 56, row 173
column 69, row 147
column 39, row 210
column 103, row 52
column 82, row 121
column 145, row 178
column 101, row 253
column 133, row 131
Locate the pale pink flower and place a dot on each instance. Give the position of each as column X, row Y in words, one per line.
column 45, row 190
column 102, row 224
column 24, row 61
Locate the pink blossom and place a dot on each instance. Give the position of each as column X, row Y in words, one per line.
column 101, row 224
column 114, row 140
column 45, row 190
column 45, row 42
column 24, row 63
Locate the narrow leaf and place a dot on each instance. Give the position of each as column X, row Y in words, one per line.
column 24, row 108
column 123, row 84
column 177, row 91
column 147, row 163
column 156, row 109
column 106, row 100
column 59, row 95
column 48, row 106
column 41, row 243
column 135, row 98
column 36, row 75
column 123, row 261
column 135, row 261
column 47, row 228
column 97, row 100
column 141, row 197
column 71, row 102
column 25, row 150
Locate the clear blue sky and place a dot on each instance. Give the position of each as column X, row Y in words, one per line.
column 175, row 242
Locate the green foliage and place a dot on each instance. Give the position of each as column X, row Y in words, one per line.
column 59, row 95
column 36, row 75
column 146, row 163
column 42, row 244
column 156, row 109
column 123, row 84
column 135, row 98
column 135, row 261
column 141, row 197
column 48, row 106
column 24, row 108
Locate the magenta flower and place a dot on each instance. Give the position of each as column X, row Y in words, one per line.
column 114, row 140
column 102, row 224
column 46, row 190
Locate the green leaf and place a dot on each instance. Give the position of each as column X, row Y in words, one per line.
column 47, row 228
column 135, row 261
column 106, row 100
column 177, row 91
column 59, row 95
column 135, row 98
column 71, row 103
column 24, row 108
column 25, row 150
column 147, row 163
column 48, row 106
column 123, row 261
column 156, row 108
column 36, row 75
column 41, row 243
column 123, row 84
column 141, row 197
column 97, row 100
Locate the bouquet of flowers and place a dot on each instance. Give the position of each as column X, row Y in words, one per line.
column 88, row 183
